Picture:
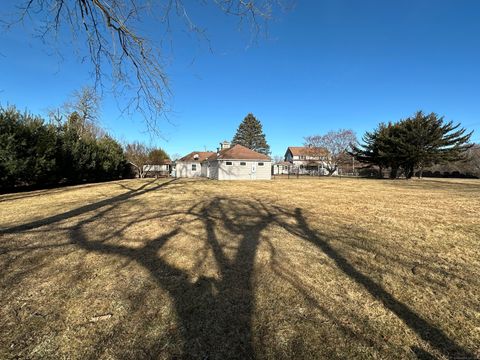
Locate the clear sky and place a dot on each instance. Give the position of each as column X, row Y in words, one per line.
column 325, row 65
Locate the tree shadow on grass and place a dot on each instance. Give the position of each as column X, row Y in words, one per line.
column 425, row 330
column 215, row 312
column 86, row 208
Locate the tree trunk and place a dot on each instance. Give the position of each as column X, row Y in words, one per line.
column 394, row 172
column 332, row 170
column 409, row 172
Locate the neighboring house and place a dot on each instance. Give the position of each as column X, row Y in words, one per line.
column 191, row 165
column 237, row 163
column 158, row 170
column 306, row 160
column 282, row 168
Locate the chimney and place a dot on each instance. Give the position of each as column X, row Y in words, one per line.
column 224, row 145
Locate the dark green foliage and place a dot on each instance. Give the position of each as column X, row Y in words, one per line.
column 413, row 143
column 425, row 140
column 250, row 135
column 111, row 158
column 379, row 149
column 27, row 149
column 33, row 153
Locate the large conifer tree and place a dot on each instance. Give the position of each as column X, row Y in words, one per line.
column 250, row 135
column 424, row 140
column 413, row 144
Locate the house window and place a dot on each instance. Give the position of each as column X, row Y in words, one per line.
column 243, row 163
column 228, row 163
column 194, row 167
column 260, row 164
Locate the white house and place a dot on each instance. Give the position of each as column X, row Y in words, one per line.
column 306, row 160
column 228, row 163
column 237, row 163
column 191, row 165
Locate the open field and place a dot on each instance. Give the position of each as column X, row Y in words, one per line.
column 307, row 268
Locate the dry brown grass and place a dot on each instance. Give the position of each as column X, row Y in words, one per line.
column 308, row 268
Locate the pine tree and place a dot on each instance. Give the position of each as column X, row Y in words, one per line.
column 413, row 143
column 250, row 135
column 379, row 148
column 425, row 140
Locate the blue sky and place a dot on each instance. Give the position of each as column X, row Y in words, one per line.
column 325, row 65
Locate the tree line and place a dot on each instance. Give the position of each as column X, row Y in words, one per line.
column 35, row 153
column 69, row 149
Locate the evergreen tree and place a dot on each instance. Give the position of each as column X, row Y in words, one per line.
column 413, row 143
column 112, row 159
column 425, row 140
column 27, row 149
column 379, row 149
column 34, row 153
column 250, row 135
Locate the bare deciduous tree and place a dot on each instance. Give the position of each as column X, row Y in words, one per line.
column 469, row 166
column 175, row 156
column 55, row 116
column 116, row 48
column 277, row 159
column 474, row 157
column 86, row 103
column 331, row 147
column 137, row 154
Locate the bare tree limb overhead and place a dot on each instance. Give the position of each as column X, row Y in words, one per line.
column 123, row 58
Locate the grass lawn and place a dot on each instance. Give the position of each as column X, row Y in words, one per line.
column 299, row 268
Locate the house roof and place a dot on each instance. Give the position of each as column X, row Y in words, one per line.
column 164, row 162
column 283, row 163
column 202, row 155
column 306, row 151
column 238, row 152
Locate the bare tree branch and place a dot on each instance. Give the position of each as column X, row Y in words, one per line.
column 118, row 53
column 331, row 147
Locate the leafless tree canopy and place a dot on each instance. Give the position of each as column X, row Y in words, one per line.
column 475, row 160
column 331, row 146
column 118, row 51
column 85, row 104
column 175, row 156
column 470, row 165
column 137, row 154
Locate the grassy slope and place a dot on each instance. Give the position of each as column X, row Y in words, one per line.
column 307, row 268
